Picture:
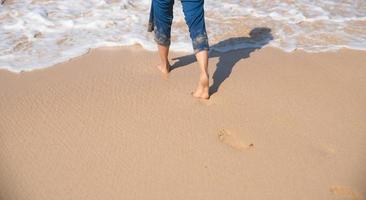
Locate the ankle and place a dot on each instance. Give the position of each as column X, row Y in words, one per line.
column 204, row 81
column 165, row 64
column 204, row 75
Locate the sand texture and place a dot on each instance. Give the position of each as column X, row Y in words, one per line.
column 108, row 126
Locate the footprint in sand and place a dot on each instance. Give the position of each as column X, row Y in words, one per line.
column 233, row 140
column 345, row 193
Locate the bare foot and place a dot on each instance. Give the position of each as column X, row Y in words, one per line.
column 202, row 88
column 164, row 68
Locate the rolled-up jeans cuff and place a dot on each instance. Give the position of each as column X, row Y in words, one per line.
column 161, row 38
column 200, row 43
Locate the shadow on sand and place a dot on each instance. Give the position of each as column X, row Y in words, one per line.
column 242, row 47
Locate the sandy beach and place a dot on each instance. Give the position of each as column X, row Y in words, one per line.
column 107, row 125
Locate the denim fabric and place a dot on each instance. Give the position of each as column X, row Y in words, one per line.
column 150, row 26
column 162, row 18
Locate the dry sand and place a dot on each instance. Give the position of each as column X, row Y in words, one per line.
column 107, row 126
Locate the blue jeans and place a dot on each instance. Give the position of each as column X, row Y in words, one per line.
column 161, row 18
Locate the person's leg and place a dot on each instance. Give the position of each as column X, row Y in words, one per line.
column 163, row 17
column 164, row 65
column 195, row 19
column 202, row 90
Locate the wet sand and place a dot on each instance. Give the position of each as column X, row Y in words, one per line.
column 107, row 125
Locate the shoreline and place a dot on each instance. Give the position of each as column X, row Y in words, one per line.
column 138, row 46
column 107, row 125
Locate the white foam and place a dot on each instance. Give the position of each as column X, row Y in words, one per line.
column 37, row 34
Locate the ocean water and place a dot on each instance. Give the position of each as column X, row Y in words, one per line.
column 39, row 33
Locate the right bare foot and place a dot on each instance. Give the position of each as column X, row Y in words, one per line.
column 164, row 68
column 202, row 91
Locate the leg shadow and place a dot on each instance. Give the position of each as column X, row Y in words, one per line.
column 229, row 52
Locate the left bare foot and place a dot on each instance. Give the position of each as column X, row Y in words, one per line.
column 202, row 91
column 164, row 68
